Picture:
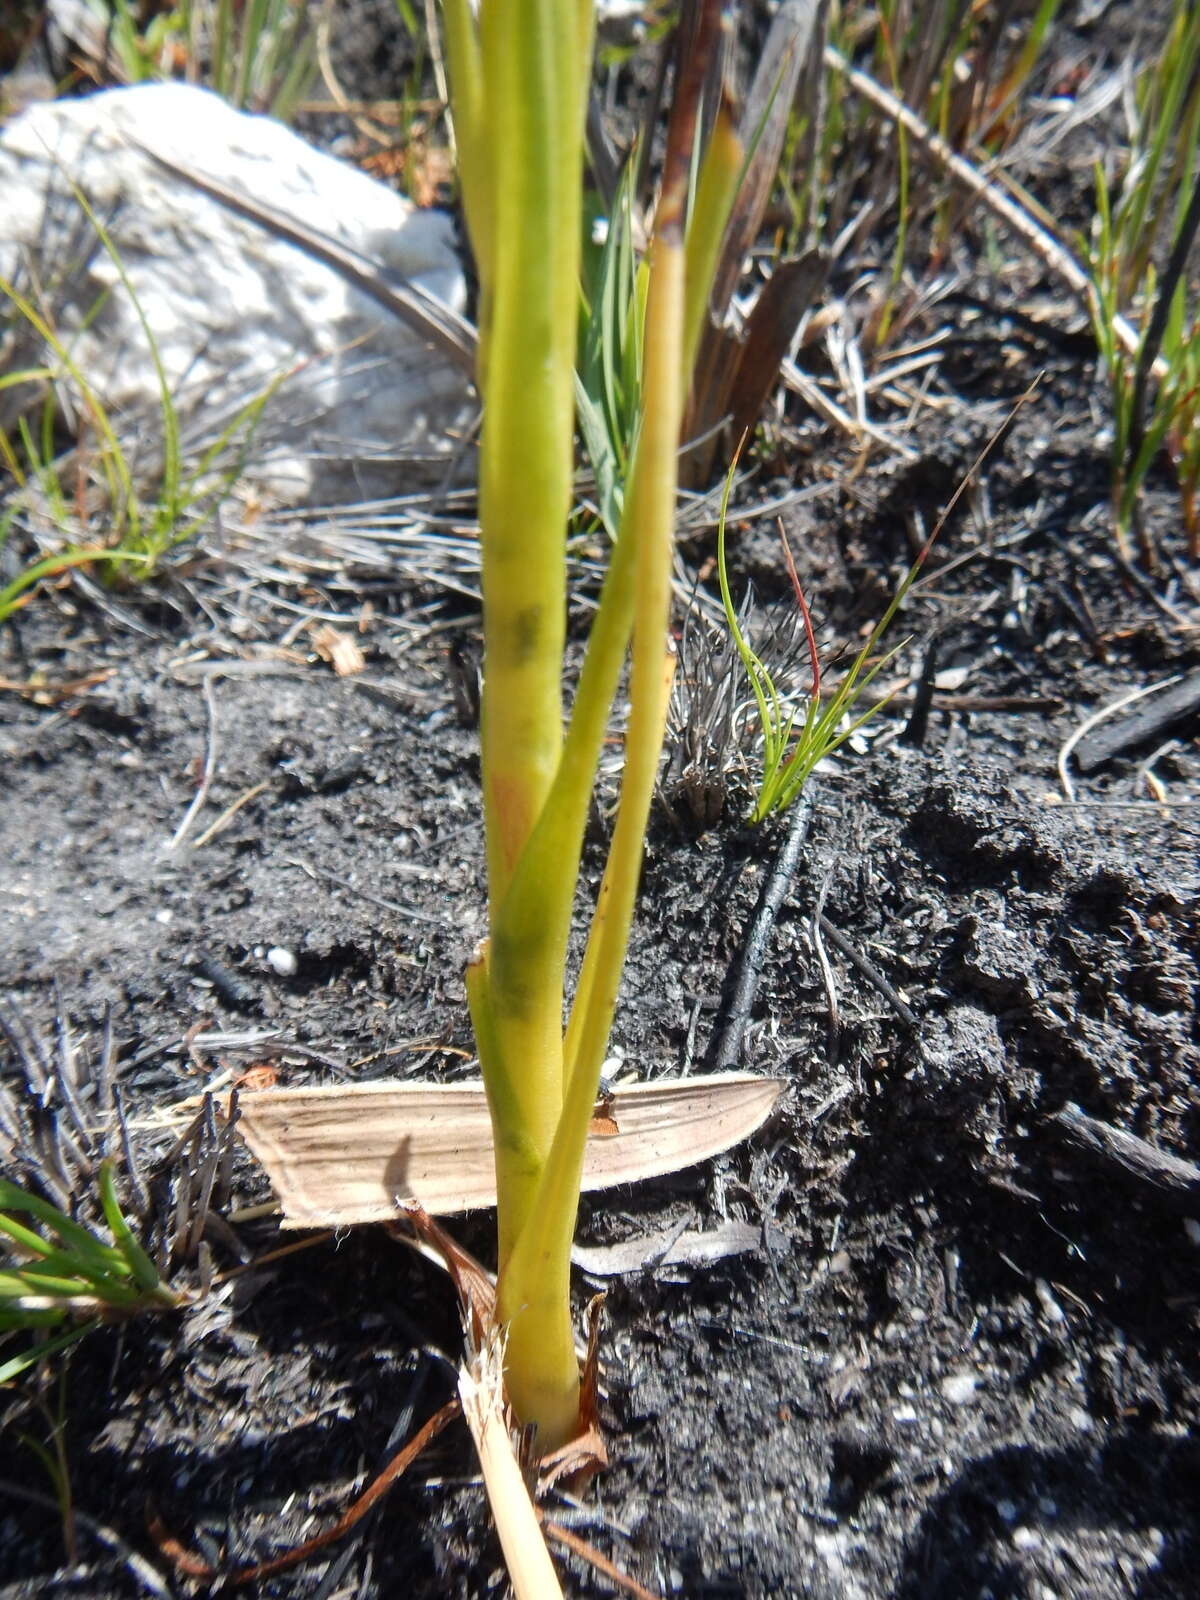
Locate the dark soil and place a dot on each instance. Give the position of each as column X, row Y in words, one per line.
column 963, row 1361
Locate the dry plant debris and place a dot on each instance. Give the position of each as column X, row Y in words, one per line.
column 351, row 1154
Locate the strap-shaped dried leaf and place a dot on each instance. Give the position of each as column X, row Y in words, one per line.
column 763, row 131
column 739, row 372
column 343, row 1155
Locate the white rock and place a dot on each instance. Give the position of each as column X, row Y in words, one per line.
column 282, row 961
column 230, row 305
column 960, row 1387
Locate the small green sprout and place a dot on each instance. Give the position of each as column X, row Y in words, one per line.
column 62, row 1271
column 790, row 747
column 1156, row 209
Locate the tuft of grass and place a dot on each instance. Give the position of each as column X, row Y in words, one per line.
column 62, row 1271
column 1153, row 217
column 791, row 745
column 702, row 727
column 852, row 179
column 260, row 55
column 87, row 1237
column 139, row 531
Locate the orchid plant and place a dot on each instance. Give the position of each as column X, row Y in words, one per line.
column 519, row 78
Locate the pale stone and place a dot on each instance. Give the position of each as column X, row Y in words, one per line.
column 960, row 1387
column 282, row 961
column 230, row 305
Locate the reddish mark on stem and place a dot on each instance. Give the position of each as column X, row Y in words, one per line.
column 814, row 659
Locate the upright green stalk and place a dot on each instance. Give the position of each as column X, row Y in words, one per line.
column 533, row 82
column 518, row 82
column 519, row 86
column 534, row 1285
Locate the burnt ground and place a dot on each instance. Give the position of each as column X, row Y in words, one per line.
column 962, row 1360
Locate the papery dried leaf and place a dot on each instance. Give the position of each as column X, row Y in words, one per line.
column 786, row 296
column 738, row 374
column 667, row 1247
column 348, row 1154
column 763, row 131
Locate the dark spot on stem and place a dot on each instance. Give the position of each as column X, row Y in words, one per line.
column 527, row 628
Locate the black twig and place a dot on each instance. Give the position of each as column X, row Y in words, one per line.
column 827, row 978
column 774, row 891
column 177, row 1230
column 917, row 727
column 137, row 1185
column 871, row 972
column 63, row 1069
column 1175, row 1180
column 1175, row 708
column 205, row 1176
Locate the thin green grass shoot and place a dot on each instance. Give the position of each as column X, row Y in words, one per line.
column 608, row 388
column 260, row 55
column 139, row 530
column 185, row 499
column 1141, row 238
column 792, row 746
column 52, row 1457
column 62, row 1270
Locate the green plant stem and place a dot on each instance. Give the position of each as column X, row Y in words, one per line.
column 122, row 498
column 465, row 66
column 141, row 1268
column 531, row 928
column 526, row 457
column 520, row 78
column 720, row 172
column 14, row 594
column 533, row 1294
column 1152, row 338
column 533, row 1291
column 537, row 909
column 519, row 1151
column 532, row 84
